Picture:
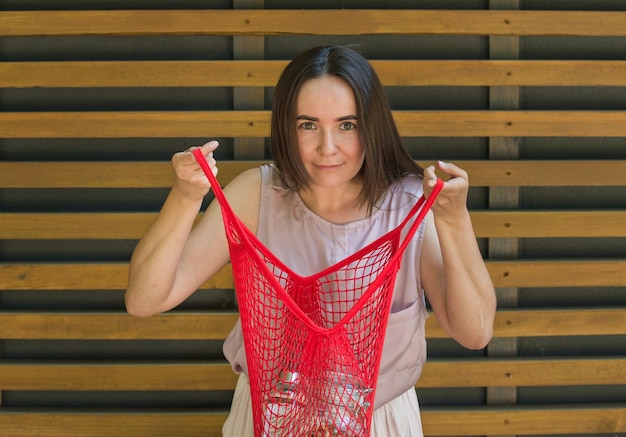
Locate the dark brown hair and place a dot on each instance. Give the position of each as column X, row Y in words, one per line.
column 386, row 158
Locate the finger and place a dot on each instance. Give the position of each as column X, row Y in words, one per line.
column 209, row 147
column 207, row 151
column 430, row 177
column 429, row 172
column 451, row 170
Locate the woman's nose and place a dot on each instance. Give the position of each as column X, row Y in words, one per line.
column 327, row 143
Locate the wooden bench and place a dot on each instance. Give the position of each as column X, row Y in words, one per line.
column 492, row 224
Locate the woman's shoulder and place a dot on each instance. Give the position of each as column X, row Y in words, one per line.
column 243, row 194
column 409, row 184
column 402, row 194
column 271, row 178
column 247, row 179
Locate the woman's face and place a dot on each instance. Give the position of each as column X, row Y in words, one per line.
column 327, row 130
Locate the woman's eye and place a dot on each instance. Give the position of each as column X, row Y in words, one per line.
column 307, row 125
column 348, row 125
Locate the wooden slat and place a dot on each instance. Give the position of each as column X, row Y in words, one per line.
column 487, row 224
column 523, row 372
column 188, row 124
column 500, row 73
column 116, row 326
column 140, row 423
column 104, row 376
column 512, row 123
column 141, row 376
column 548, row 322
column 539, row 420
column 464, row 421
column 558, row 273
column 82, row 276
column 134, row 124
column 90, row 174
column 262, row 73
column 545, row 173
column 95, row 74
column 159, row 174
column 74, row 225
column 318, row 22
column 114, row 276
column 549, row 224
column 217, row 325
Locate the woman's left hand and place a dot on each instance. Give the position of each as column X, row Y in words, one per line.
column 452, row 199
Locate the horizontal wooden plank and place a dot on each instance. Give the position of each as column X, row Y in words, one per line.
column 142, row 74
column 558, row 273
column 74, row 225
column 139, row 423
column 81, row 276
column 140, row 376
column 116, row 326
column 518, row 372
column 188, row 124
column 265, row 73
column 466, row 421
column 217, row 325
column 116, row 376
column 545, row 173
column 114, row 276
column 318, row 22
column 532, row 420
column 512, row 123
column 159, row 174
column 550, row 322
column 134, row 124
column 97, row 174
column 487, row 224
column 549, row 224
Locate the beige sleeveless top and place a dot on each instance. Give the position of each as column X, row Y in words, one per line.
column 307, row 244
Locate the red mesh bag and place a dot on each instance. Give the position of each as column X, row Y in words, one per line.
column 313, row 344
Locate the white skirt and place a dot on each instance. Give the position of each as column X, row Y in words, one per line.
column 399, row 417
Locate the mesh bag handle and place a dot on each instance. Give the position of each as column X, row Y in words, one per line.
column 313, row 344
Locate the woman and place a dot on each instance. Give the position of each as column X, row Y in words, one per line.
column 341, row 178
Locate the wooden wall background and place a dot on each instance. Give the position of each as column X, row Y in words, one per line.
column 95, row 95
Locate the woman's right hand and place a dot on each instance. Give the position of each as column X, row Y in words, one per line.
column 189, row 179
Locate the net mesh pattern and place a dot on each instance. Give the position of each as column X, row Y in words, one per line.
column 313, row 344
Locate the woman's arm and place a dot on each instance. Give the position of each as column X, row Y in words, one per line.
column 174, row 258
column 454, row 274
